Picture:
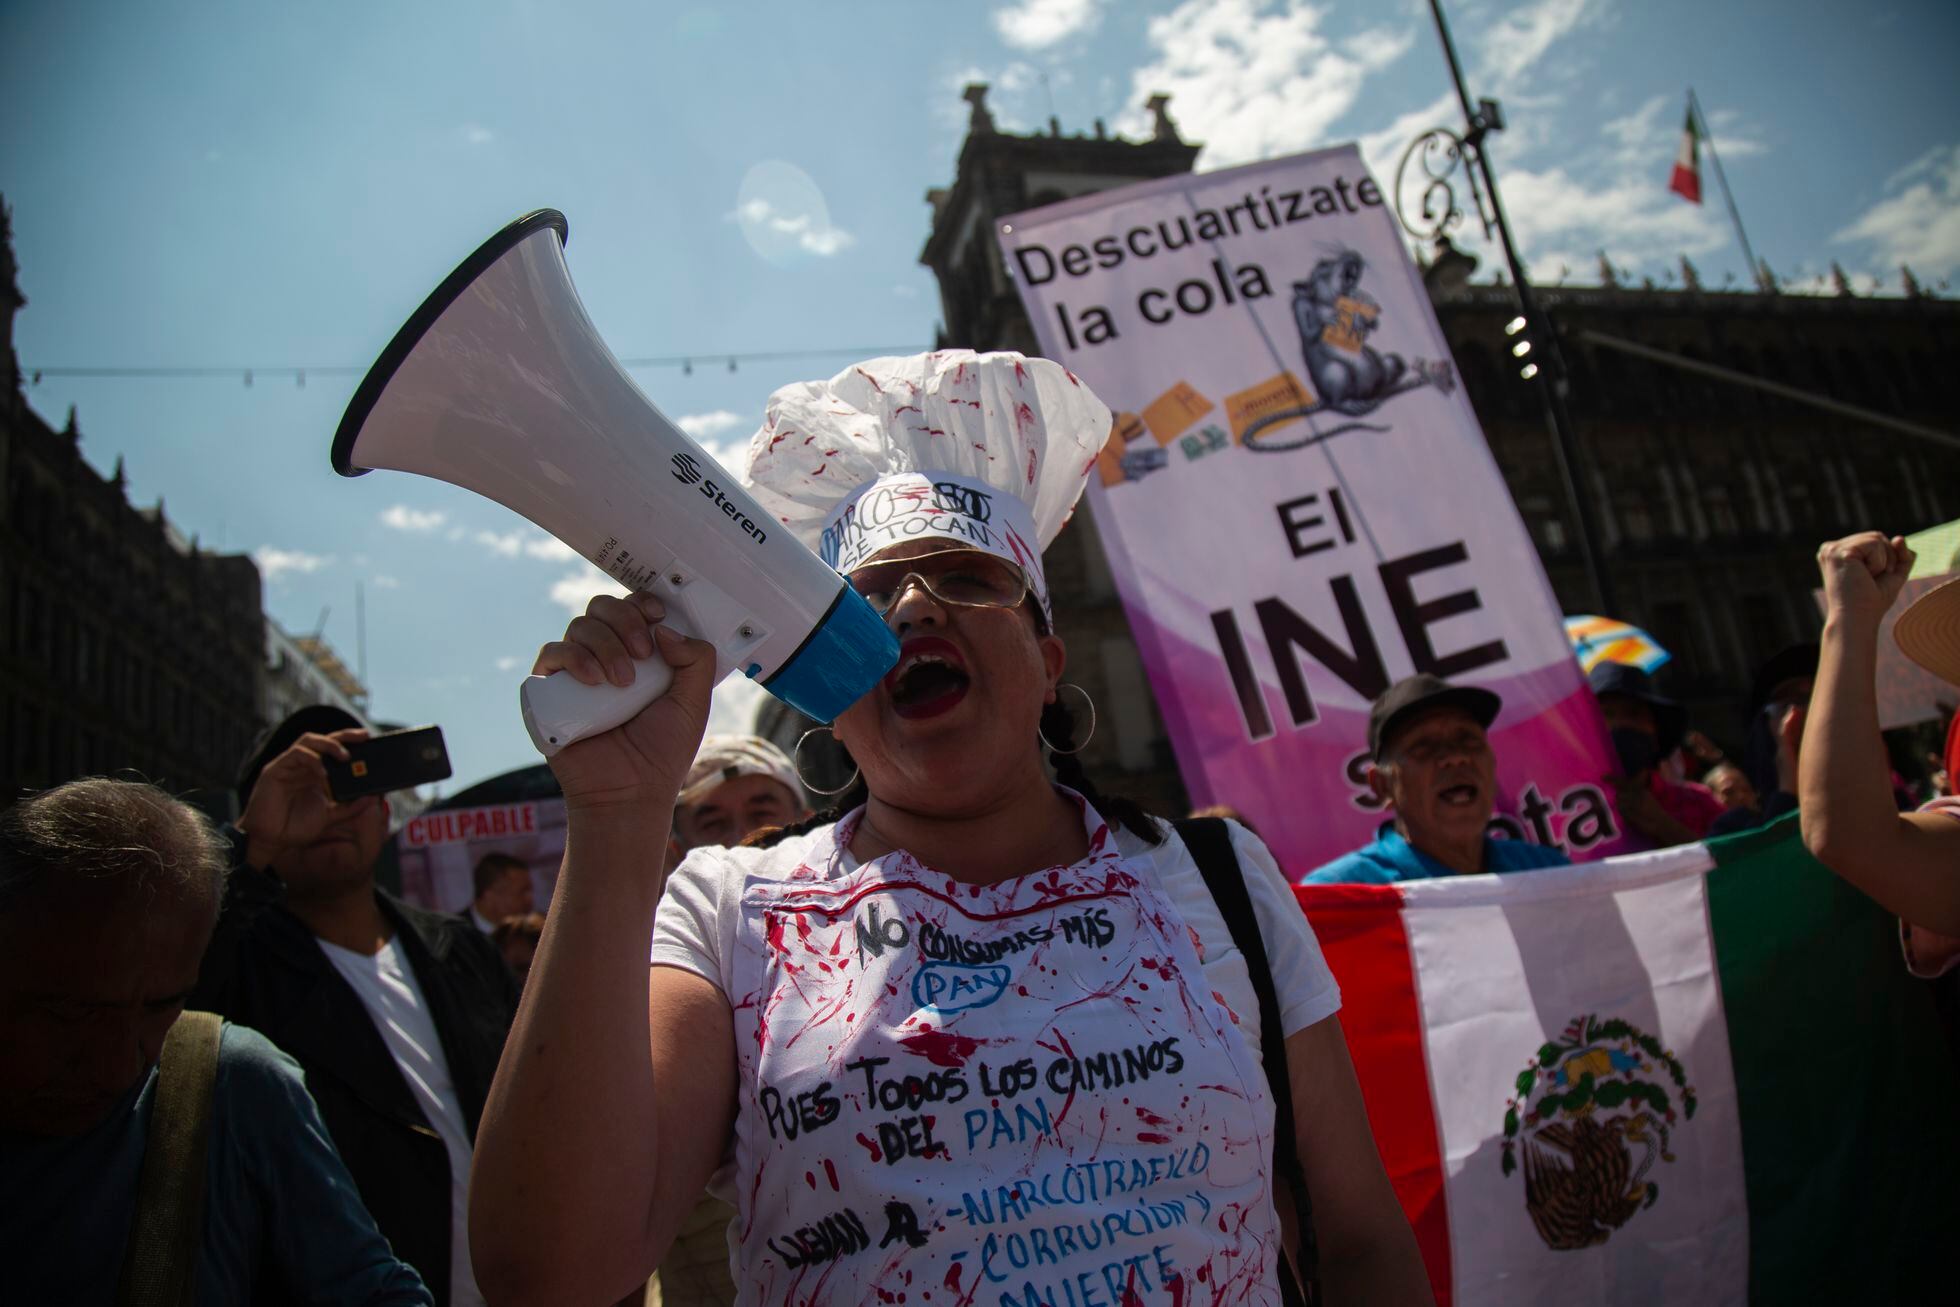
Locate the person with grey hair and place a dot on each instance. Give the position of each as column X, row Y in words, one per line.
column 153, row 1154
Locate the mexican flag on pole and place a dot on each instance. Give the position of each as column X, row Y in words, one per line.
column 1694, row 1076
column 1686, row 181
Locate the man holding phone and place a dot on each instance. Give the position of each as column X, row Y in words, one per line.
column 397, row 1015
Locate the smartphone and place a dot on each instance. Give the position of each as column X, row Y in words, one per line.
column 400, row 760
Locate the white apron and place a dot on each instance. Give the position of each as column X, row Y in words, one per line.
column 1021, row 1093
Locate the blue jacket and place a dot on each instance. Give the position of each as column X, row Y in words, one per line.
column 1391, row 858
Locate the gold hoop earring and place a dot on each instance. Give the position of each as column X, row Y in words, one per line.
column 1087, row 702
column 796, row 761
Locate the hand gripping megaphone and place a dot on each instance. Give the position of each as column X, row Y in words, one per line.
column 500, row 384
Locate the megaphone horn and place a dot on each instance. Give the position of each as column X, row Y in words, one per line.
column 500, row 384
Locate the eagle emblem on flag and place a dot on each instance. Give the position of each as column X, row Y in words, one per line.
column 1592, row 1117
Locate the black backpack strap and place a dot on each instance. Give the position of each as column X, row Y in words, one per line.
column 167, row 1233
column 1210, row 843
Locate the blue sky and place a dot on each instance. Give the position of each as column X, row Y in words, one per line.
column 231, row 184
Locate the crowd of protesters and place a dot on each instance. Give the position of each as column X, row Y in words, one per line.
column 313, row 1138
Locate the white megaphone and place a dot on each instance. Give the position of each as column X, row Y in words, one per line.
column 500, row 384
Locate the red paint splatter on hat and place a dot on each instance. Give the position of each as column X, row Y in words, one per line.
column 868, row 377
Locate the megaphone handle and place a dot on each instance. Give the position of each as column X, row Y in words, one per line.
column 560, row 710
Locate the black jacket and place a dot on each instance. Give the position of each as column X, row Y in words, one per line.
column 264, row 969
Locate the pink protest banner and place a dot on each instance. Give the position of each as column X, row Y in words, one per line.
column 1298, row 504
column 439, row 850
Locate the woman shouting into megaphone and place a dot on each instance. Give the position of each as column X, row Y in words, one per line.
column 978, row 1032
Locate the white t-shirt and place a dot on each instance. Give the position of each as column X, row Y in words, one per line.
column 388, row 990
column 704, row 925
column 700, row 910
column 695, row 928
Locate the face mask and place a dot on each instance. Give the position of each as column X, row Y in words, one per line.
column 1637, row 749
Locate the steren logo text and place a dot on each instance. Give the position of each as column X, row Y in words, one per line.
column 688, row 473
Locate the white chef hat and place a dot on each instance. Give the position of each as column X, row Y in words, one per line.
column 989, row 451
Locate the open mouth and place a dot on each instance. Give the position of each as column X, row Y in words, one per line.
column 1458, row 796
column 930, row 678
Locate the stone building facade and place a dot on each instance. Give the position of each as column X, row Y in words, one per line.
column 124, row 647
column 1710, row 496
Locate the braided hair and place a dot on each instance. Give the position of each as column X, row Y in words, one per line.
column 1057, row 731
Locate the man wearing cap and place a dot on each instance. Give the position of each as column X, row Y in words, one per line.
column 1435, row 771
column 1647, row 728
column 738, row 784
column 397, row 1015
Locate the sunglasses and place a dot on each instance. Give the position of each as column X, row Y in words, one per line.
column 969, row 578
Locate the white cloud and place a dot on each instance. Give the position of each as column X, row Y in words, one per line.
column 1253, row 80
column 575, row 589
column 386, row 583
column 1918, row 221
column 814, row 234
column 1516, row 42
column 510, row 663
column 1038, row 24
column 1012, row 96
column 1382, row 150
column 1732, row 138
column 400, row 517
column 706, row 426
column 905, row 292
column 506, row 545
column 732, row 709
column 477, row 134
column 275, row 562
column 1566, row 206
column 549, row 548
column 529, row 544
column 1635, row 218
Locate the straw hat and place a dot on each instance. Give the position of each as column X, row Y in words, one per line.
column 1928, row 631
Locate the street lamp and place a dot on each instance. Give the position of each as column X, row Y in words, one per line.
column 1439, row 154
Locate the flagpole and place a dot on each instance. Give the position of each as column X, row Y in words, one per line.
column 1755, row 268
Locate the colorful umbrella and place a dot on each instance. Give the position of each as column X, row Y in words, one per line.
column 1609, row 640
